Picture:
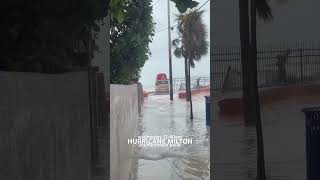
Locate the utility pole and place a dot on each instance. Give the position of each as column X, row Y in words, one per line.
column 170, row 58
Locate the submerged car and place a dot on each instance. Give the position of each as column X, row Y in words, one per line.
column 162, row 84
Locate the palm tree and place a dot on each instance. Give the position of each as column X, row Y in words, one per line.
column 248, row 40
column 191, row 44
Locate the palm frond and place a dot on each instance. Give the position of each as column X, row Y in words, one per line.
column 264, row 10
column 192, row 36
column 178, row 52
column 176, row 42
column 192, row 64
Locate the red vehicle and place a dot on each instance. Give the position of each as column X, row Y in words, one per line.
column 162, row 84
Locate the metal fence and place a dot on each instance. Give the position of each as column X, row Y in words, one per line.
column 196, row 82
column 278, row 64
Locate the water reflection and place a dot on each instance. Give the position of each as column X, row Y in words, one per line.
column 248, row 153
column 234, row 147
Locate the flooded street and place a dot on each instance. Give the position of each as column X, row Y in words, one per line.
column 162, row 117
column 234, row 146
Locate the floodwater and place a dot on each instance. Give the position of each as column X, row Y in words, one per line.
column 162, row 117
column 234, row 149
column 234, row 145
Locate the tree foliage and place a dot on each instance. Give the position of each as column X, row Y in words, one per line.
column 117, row 10
column 47, row 33
column 183, row 5
column 191, row 44
column 130, row 42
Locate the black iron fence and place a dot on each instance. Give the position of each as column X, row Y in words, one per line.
column 278, row 64
column 196, row 82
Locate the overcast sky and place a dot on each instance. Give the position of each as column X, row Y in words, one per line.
column 158, row 62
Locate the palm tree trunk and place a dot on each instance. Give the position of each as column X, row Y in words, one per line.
column 186, row 78
column 245, row 55
column 190, row 94
column 261, row 174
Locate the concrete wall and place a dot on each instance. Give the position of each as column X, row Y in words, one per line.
column 123, row 125
column 44, row 126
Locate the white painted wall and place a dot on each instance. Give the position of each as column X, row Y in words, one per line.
column 123, row 125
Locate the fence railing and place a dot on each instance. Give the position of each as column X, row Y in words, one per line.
column 277, row 64
column 196, row 82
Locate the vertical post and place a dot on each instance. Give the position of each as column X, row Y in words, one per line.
column 307, row 146
column 301, row 72
column 170, row 59
column 93, row 115
column 211, row 78
column 101, row 128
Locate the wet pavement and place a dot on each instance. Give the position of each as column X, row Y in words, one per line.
column 162, row 117
column 234, row 149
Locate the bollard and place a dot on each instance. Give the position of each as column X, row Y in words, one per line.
column 208, row 121
column 312, row 123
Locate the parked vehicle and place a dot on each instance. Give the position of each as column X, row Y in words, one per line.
column 162, row 84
